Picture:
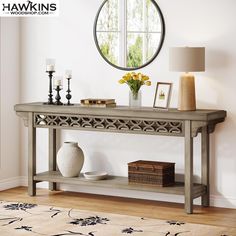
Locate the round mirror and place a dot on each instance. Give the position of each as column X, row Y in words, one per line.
column 129, row 33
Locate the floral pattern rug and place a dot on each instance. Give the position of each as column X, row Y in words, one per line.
column 30, row 219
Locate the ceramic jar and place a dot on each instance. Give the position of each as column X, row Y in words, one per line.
column 70, row 159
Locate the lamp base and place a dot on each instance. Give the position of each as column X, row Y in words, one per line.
column 187, row 100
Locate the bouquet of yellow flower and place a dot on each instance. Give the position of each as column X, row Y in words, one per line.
column 135, row 81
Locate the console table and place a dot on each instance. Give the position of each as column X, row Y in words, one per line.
column 122, row 119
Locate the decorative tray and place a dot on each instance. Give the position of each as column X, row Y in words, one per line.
column 95, row 175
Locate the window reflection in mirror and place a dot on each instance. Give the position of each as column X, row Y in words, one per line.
column 129, row 33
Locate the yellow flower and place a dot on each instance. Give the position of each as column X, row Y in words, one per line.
column 127, row 77
column 121, row 81
column 133, row 80
column 144, row 78
column 140, row 76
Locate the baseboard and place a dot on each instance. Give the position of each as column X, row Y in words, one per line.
column 23, row 181
column 17, row 182
column 9, row 183
column 215, row 200
column 220, row 201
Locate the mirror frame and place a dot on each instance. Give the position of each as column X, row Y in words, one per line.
column 148, row 62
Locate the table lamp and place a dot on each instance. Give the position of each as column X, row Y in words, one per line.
column 187, row 59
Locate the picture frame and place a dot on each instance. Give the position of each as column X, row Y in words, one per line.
column 162, row 95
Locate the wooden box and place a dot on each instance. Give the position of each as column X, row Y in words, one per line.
column 156, row 173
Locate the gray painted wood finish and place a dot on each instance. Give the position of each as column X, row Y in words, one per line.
column 122, row 119
column 31, row 155
column 205, row 172
column 118, row 182
column 124, row 111
column 188, row 180
column 52, row 155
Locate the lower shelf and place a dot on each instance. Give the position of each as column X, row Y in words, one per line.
column 118, row 182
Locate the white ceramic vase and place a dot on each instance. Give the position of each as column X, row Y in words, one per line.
column 70, row 159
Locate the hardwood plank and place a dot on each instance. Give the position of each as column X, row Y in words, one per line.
column 127, row 206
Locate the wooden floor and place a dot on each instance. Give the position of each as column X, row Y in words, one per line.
column 126, row 206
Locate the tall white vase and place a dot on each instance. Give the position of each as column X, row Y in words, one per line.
column 70, row 159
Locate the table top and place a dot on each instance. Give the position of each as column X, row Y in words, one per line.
column 123, row 111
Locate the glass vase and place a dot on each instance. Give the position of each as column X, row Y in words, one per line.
column 135, row 99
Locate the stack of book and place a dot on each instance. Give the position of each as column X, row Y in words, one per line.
column 91, row 102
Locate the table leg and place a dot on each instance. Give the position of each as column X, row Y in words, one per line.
column 31, row 155
column 52, row 155
column 188, row 168
column 205, row 165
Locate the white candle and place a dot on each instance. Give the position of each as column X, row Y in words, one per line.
column 50, row 64
column 50, row 68
column 68, row 74
column 57, row 82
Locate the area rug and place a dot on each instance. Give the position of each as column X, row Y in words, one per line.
column 30, row 219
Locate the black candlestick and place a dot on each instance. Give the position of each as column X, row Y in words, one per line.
column 68, row 95
column 50, row 95
column 58, row 97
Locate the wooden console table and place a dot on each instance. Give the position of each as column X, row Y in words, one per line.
column 122, row 120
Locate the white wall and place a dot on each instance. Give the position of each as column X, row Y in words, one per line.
column 9, row 96
column 69, row 39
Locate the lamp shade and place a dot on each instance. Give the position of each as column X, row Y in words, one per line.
column 187, row 59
